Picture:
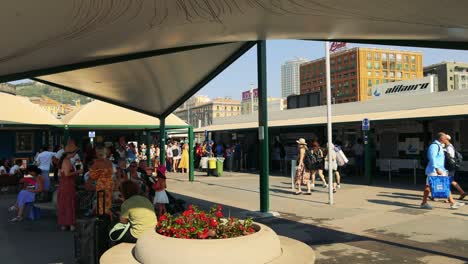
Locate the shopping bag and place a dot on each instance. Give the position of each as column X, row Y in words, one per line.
column 440, row 186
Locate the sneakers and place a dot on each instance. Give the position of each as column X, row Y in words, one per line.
column 12, row 208
column 338, row 186
column 456, row 205
column 325, row 186
column 312, row 185
column 16, row 219
column 426, row 206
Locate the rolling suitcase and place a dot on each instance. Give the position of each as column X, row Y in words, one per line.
column 92, row 235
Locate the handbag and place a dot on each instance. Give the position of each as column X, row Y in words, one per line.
column 440, row 186
column 118, row 228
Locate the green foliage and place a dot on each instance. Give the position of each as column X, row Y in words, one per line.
column 32, row 89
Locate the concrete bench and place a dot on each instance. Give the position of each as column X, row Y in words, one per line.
column 121, row 253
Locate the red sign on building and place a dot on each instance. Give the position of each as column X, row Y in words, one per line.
column 335, row 46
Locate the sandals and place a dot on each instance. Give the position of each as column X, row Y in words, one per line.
column 298, row 193
column 16, row 219
column 12, row 208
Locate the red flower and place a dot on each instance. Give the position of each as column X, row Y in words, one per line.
column 190, row 207
column 192, row 229
column 213, row 222
column 219, row 214
column 180, row 221
column 241, row 227
column 220, row 207
column 251, row 230
column 163, row 218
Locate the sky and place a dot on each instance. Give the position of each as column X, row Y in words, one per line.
column 238, row 77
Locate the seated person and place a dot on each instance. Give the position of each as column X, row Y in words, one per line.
column 137, row 211
column 31, row 186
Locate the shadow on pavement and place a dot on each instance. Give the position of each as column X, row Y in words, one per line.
column 315, row 236
column 38, row 241
column 398, row 204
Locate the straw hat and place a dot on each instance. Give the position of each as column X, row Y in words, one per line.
column 71, row 148
column 301, row 141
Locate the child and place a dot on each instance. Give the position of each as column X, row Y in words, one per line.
column 160, row 196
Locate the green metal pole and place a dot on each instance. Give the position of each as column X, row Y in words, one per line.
column 66, row 136
column 191, row 155
column 162, row 141
column 148, row 148
column 367, row 157
column 263, row 126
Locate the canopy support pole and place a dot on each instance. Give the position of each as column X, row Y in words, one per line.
column 263, row 127
column 148, row 148
column 66, row 136
column 162, row 141
column 191, row 154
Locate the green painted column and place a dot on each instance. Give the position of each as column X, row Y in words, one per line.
column 263, row 127
column 162, row 141
column 66, row 136
column 367, row 157
column 148, row 148
column 191, row 154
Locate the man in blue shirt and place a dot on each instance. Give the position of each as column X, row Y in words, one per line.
column 436, row 167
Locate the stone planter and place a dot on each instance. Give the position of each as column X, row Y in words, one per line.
column 265, row 246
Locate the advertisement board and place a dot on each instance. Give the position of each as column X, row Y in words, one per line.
column 415, row 86
column 247, row 95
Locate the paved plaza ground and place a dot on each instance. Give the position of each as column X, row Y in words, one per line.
column 368, row 224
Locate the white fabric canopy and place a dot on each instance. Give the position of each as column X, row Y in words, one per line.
column 19, row 110
column 101, row 114
column 49, row 37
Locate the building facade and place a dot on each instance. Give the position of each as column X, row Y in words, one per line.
column 54, row 107
column 355, row 71
column 450, row 75
column 202, row 114
column 290, row 77
column 249, row 103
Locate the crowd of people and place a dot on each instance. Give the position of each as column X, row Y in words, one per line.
column 314, row 160
column 116, row 183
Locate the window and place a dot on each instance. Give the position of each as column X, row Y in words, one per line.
column 385, row 81
column 369, row 65
column 392, row 65
column 398, row 57
column 384, row 56
column 369, row 83
column 376, row 56
column 413, row 59
column 398, row 66
column 451, row 78
column 24, row 142
column 346, row 84
column 369, row 73
column 345, row 59
column 406, row 67
column 407, row 75
column 377, row 65
column 339, row 85
column 339, row 60
column 384, row 65
column 217, row 114
column 377, row 82
column 332, row 62
column 392, row 74
column 217, row 107
column 377, row 74
column 339, row 76
column 385, row 74
column 353, row 74
column 413, row 67
column 413, row 75
column 391, row 57
column 353, row 83
column 345, row 75
column 369, row 56
column 353, row 56
column 399, row 75
column 406, row 58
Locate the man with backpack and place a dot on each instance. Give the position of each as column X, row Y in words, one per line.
column 453, row 161
column 436, row 167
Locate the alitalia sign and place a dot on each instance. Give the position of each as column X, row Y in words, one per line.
column 423, row 85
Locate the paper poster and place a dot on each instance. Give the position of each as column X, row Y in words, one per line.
column 412, row 146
